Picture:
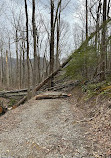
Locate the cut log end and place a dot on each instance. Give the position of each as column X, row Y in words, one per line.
column 2, row 110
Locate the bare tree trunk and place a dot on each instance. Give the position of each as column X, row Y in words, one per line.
column 23, row 78
column 45, row 70
column 103, row 43
column 17, row 62
column 58, row 38
column 38, row 68
column 53, row 24
column 34, row 45
column 1, row 66
column 10, row 68
column 27, row 37
column 86, row 19
column 20, row 67
column 110, row 54
column 7, row 70
column 97, row 36
column 52, row 43
column 86, row 73
column 97, row 25
column 108, row 10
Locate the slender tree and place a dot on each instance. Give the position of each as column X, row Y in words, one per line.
column 86, row 19
column 34, row 44
column 17, row 60
column 86, row 71
column 27, row 38
column 7, row 69
column 53, row 20
column 52, row 41
column 103, row 43
column 2, row 65
column 58, row 38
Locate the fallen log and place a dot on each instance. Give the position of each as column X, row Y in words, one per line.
column 65, row 63
column 13, row 91
column 62, row 95
column 65, row 86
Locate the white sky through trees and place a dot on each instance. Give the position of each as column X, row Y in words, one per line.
column 42, row 6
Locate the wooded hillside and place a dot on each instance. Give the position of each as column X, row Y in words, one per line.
column 38, row 44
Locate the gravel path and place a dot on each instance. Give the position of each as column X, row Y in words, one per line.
column 44, row 129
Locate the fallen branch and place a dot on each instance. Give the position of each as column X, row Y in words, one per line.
column 13, row 91
column 105, row 88
column 39, row 97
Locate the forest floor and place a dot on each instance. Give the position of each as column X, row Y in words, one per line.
column 57, row 128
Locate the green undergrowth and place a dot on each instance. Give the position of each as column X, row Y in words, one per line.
column 93, row 89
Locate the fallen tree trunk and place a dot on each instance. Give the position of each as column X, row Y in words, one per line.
column 15, row 91
column 62, row 95
column 12, row 94
column 45, row 81
column 66, row 62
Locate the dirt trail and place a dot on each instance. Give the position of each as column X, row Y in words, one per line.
column 44, row 129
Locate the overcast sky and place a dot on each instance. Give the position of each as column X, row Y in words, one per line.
column 68, row 13
column 42, row 5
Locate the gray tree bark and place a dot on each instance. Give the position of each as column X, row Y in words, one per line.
column 7, row 70
column 34, row 45
column 103, row 43
column 27, row 38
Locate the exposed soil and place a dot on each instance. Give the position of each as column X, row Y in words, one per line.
column 55, row 128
